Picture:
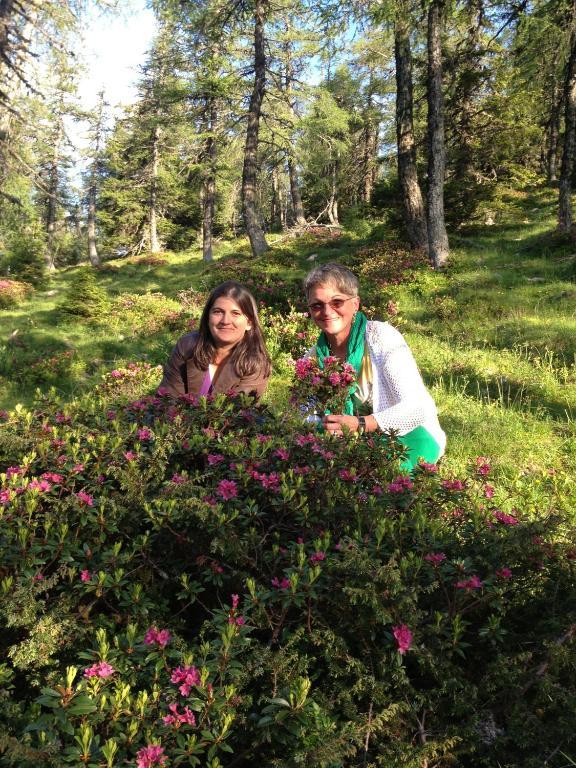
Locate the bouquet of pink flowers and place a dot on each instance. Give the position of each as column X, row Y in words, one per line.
column 317, row 391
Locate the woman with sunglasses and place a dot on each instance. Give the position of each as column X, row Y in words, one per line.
column 390, row 393
column 226, row 355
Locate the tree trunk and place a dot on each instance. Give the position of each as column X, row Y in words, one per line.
column 93, row 256
column 209, row 187
column 553, row 136
column 153, row 212
column 52, row 201
column 412, row 202
column 91, row 224
column 295, row 195
column 332, row 209
column 438, row 248
column 565, row 186
column 250, row 171
column 369, row 150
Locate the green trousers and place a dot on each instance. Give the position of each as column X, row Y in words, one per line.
column 420, row 445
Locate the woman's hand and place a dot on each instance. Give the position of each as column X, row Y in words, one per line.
column 338, row 423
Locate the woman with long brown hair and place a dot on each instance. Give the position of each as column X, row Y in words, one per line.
column 226, row 355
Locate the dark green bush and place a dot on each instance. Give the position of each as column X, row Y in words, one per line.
column 308, row 605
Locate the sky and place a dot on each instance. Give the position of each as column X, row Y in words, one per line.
column 114, row 45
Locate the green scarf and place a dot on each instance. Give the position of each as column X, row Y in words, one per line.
column 354, row 354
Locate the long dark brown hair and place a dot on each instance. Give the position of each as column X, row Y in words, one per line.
column 250, row 355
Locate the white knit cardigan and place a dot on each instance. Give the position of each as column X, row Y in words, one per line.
column 399, row 397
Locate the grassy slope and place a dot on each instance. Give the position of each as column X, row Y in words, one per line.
column 495, row 337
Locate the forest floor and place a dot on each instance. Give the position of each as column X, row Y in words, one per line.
column 494, row 336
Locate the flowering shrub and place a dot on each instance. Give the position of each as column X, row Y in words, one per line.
column 13, row 292
column 202, row 583
column 326, row 389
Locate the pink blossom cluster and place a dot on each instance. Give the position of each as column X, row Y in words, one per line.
column 42, row 486
column 403, row 637
column 85, row 575
column 282, row 453
column 504, row 573
column 482, row 465
column 400, row 484
column 144, row 434
column 347, row 476
column 505, row 519
column 432, row 468
column 186, row 677
column 130, row 456
column 435, row 557
column 52, row 477
column 317, row 557
column 151, row 756
column 215, row 458
column 227, row 489
column 101, row 669
column 15, row 472
column 178, row 479
column 489, row 491
column 178, row 718
column 269, row 482
column 85, row 498
column 453, row 485
column 155, row 636
column 283, row 583
column 472, row 583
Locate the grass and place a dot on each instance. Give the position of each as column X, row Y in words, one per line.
column 495, row 336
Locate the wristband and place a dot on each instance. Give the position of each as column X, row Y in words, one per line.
column 361, row 425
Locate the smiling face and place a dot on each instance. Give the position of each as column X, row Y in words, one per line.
column 335, row 321
column 227, row 323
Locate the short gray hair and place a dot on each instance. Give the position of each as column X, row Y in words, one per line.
column 332, row 274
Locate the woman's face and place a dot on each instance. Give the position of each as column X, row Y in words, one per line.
column 332, row 310
column 227, row 323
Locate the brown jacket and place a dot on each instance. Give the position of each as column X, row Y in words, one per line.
column 181, row 376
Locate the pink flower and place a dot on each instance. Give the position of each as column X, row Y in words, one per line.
column 435, row 557
column 488, row 491
column 78, row 468
column 116, row 374
column 43, row 486
column 85, row 575
column 400, row 484
column 14, row 472
column 5, row 496
column 482, row 465
column 130, row 455
column 432, row 468
column 178, row 479
column 282, row 453
column 472, row 583
column 504, row 573
column 334, row 379
column 505, row 519
column 177, row 718
column 102, row 669
column 453, row 485
column 158, row 637
column 317, row 557
column 403, row 637
column 227, row 489
column 235, row 601
column 263, row 438
column 144, row 434
column 53, row 477
column 151, row 756
column 85, row 498
column 347, row 476
column 187, row 676
column 215, row 458
column 284, row 584
column 110, row 415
